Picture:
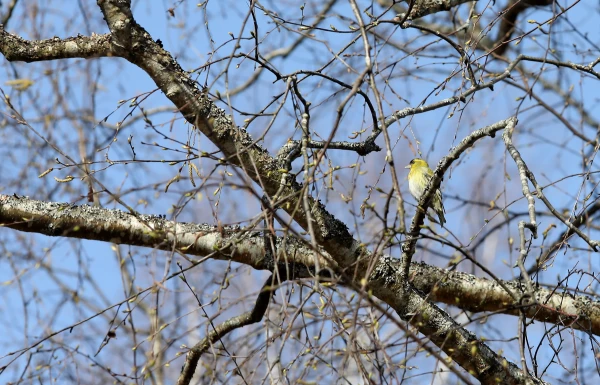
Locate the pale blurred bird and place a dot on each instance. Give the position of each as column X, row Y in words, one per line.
column 419, row 176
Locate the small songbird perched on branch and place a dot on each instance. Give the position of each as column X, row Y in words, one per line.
column 419, row 176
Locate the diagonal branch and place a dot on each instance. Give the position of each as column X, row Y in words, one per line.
column 9, row 12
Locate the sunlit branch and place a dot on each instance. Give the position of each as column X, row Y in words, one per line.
column 95, row 223
column 247, row 247
column 15, row 48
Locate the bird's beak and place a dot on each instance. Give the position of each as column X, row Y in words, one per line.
column 407, row 166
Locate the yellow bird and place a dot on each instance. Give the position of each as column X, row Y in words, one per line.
column 419, row 176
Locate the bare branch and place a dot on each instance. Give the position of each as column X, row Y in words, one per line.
column 9, row 12
column 421, row 8
column 562, row 239
column 248, row 318
column 589, row 68
column 94, row 223
column 523, row 173
column 15, row 48
column 132, row 42
column 236, row 144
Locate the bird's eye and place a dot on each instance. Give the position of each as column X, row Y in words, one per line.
column 412, row 161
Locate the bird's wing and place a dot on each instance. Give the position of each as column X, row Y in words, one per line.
column 438, row 194
column 428, row 175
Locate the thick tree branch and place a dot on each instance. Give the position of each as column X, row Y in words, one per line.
column 15, row 48
column 466, row 349
column 476, row 295
column 247, row 247
column 95, row 223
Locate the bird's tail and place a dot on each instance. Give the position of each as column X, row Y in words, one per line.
column 441, row 216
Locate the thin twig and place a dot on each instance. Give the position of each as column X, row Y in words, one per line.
column 218, row 332
column 523, row 173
